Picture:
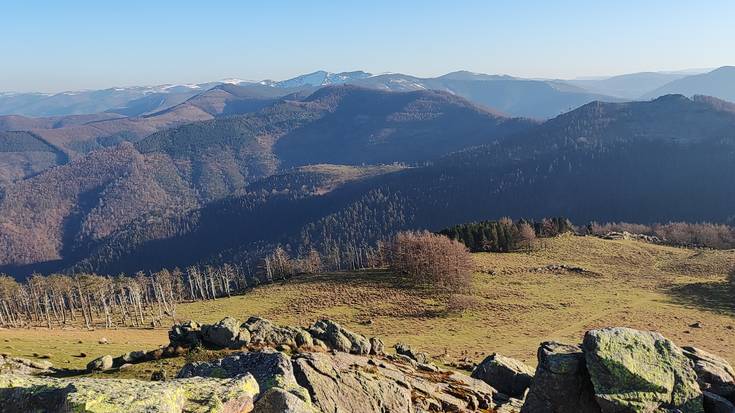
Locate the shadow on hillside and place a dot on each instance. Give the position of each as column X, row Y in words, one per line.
column 717, row 297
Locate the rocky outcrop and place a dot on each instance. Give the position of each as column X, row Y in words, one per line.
column 507, row 375
column 226, row 333
column 270, row 368
column 264, row 332
column 339, row 338
column 615, row 370
column 22, row 393
column 349, row 383
column 635, row 371
column 714, row 374
column 561, row 383
column 342, row 382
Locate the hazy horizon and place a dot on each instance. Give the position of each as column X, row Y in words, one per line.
column 52, row 47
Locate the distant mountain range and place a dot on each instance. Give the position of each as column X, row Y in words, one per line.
column 541, row 99
column 719, row 83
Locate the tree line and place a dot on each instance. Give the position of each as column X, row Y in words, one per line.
column 140, row 300
column 438, row 260
column 505, row 235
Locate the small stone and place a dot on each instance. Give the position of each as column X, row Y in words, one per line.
column 158, row 375
column 103, row 340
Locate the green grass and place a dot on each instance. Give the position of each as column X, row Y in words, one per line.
column 627, row 283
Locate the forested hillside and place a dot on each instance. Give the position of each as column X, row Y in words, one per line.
column 151, row 191
column 636, row 162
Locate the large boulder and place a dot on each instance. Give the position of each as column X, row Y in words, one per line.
column 339, row 338
column 505, row 374
column 21, row 393
column 270, row 368
column 714, row 374
column 714, row 403
column 636, row 371
column 187, row 334
column 225, row 334
column 264, row 332
column 279, row 400
column 561, row 383
column 103, row 363
column 338, row 387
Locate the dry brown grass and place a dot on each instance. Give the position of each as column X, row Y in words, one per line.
column 517, row 304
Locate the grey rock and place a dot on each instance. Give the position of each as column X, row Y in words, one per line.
column 561, row 383
column 342, row 382
column 377, row 347
column 225, row 334
column 265, row 332
column 505, row 374
column 103, row 363
column 714, row 403
column 187, row 334
column 278, row 400
column 270, row 368
column 638, row 371
column 406, row 350
column 339, row 338
column 338, row 387
column 133, row 356
column 22, row 393
column 714, row 374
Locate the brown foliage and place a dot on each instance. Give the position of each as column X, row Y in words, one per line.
column 432, row 260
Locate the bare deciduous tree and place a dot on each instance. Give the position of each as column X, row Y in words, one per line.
column 432, row 260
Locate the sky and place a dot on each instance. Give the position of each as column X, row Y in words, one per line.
column 72, row 45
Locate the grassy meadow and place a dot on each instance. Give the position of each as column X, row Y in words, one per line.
column 519, row 300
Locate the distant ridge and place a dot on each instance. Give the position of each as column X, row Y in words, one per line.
column 719, row 83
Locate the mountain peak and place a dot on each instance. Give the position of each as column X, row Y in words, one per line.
column 321, row 78
column 467, row 75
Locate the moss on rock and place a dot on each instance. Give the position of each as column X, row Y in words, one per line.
column 194, row 395
column 636, row 371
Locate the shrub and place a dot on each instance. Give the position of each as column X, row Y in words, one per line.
column 432, row 260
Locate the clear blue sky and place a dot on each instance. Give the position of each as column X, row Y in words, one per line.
column 70, row 44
